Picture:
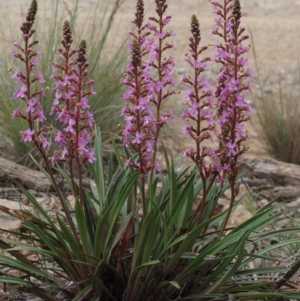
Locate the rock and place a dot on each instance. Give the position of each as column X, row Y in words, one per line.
column 8, row 222
column 238, row 216
column 263, row 202
column 243, row 190
column 276, row 172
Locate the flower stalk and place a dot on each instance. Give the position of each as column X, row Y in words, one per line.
column 72, row 108
column 232, row 81
column 148, row 77
column 70, row 89
column 227, row 99
column 199, row 113
column 139, row 127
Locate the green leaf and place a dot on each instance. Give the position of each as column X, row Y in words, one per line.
column 173, row 185
column 258, row 295
column 72, row 245
column 267, row 270
column 101, row 233
column 83, row 293
column 184, row 246
column 182, row 208
column 97, row 170
column 82, row 227
column 116, row 209
column 231, row 271
column 143, row 239
column 16, row 264
column 118, row 155
column 120, row 233
column 142, row 266
column 14, row 280
column 173, row 283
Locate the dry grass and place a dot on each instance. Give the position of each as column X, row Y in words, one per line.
column 278, row 112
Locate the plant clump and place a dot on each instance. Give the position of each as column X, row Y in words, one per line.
column 137, row 233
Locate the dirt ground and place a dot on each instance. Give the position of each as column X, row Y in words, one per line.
column 274, row 25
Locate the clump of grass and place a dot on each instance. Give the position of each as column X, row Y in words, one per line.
column 95, row 23
column 293, row 249
column 278, row 112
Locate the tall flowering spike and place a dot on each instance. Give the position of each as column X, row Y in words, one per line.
column 139, row 128
column 232, row 81
column 159, row 66
column 149, row 76
column 71, row 103
column 198, row 99
column 29, row 82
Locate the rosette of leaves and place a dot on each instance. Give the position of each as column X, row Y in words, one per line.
column 168, row 255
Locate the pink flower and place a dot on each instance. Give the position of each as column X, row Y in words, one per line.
column 90, row 155
column 20, row 92
column 43, row 141
column 137, row 139
column 40, row 114
column 34, row 61
column 231, row 149
column 26, row 135
column 16, row 113
column 54, row 160
column 40, row 78
column 166, row 20
column 63, row 154
column 18, row 77
column 186, row 153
